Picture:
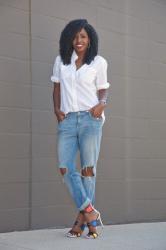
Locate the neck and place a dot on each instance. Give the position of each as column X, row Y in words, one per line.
column 81, row 55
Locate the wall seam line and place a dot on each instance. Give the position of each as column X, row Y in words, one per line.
column 30, row 145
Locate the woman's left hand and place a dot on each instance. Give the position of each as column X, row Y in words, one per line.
column 97, row 110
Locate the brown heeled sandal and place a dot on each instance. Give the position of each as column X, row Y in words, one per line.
column 74, row 234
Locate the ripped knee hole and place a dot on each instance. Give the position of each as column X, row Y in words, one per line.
column 87, row 171
column 63, row 171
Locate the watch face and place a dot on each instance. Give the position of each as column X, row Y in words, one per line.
column 103, row 101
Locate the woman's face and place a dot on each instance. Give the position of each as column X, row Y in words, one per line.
column 81, row 41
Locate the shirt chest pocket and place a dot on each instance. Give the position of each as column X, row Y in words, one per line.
column 87, row 76
column 66, row 73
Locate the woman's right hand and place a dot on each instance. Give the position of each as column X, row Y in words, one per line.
column 59, row 115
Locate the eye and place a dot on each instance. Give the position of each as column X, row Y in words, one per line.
column 75, row 37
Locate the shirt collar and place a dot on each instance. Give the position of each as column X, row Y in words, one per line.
column 74, row 57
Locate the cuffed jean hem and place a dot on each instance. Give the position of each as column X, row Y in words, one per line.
column 85, row 204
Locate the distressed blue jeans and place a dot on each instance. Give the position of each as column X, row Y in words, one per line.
column 82, row 132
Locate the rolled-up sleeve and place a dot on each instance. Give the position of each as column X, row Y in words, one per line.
column 101, row 79
column 56, row 70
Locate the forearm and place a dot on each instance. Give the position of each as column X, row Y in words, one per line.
column 97, row 110
column 56, row 97
column 103, row 94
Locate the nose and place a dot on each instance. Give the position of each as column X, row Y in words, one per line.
column 78, row 39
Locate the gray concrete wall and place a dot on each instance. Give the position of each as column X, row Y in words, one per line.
column 132, row 166
column 15, row 115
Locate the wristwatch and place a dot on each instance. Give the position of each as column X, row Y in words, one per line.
column 103, row 101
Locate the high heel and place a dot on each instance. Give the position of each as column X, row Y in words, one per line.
column 73, row 233
column 93, row 223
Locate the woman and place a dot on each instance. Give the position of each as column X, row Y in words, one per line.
column 79, row 96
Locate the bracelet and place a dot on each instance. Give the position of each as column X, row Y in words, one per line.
column 103, row 101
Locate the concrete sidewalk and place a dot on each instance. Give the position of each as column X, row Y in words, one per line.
column 139, row 236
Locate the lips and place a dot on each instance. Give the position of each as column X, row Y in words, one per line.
column 79, row 45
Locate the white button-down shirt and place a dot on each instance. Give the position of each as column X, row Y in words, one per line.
column 78, row 87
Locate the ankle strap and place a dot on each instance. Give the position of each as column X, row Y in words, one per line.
column 92, row 223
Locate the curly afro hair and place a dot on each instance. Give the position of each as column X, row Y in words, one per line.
column 67, row 36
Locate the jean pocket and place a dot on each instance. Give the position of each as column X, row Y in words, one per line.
column 64, row 119
column 95, row 118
